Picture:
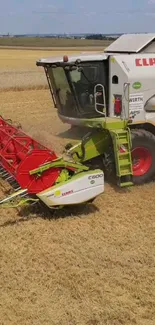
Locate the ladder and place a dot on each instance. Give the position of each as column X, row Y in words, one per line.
column 122, row 150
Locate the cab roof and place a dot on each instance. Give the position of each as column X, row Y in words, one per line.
column 84, row 57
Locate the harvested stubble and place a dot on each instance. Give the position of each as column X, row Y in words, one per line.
column 92, row 265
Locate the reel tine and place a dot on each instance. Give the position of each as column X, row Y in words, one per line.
column 2, row 171
column 24, row 194
column 17, row 189
column 12, row 182
column 13, row 196
column 4, row 175
column 10, row 178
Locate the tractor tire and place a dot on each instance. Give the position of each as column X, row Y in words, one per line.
column 143, row 156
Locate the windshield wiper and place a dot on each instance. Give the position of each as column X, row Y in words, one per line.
column 80, row 69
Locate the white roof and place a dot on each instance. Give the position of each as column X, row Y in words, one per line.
column 131, row 43
column 72, row 58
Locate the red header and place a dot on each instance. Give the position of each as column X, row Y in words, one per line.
column 145, row 62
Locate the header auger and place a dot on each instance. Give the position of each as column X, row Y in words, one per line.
column 37, row 174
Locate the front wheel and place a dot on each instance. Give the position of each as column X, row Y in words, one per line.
column 143, row 156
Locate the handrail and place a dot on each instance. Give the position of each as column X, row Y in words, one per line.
column 104, row 99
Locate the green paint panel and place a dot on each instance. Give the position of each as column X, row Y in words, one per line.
column 108, row 123
column 137, row 85
column 95, row 145
column 58, row 163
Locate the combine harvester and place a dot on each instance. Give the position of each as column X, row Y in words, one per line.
column 113, row 94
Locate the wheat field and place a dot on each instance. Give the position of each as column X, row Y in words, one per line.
column 91, row 265
column 18, row 67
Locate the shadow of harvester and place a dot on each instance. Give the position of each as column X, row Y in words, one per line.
column 28, row 213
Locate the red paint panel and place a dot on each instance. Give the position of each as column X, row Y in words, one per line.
column 19, row 154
